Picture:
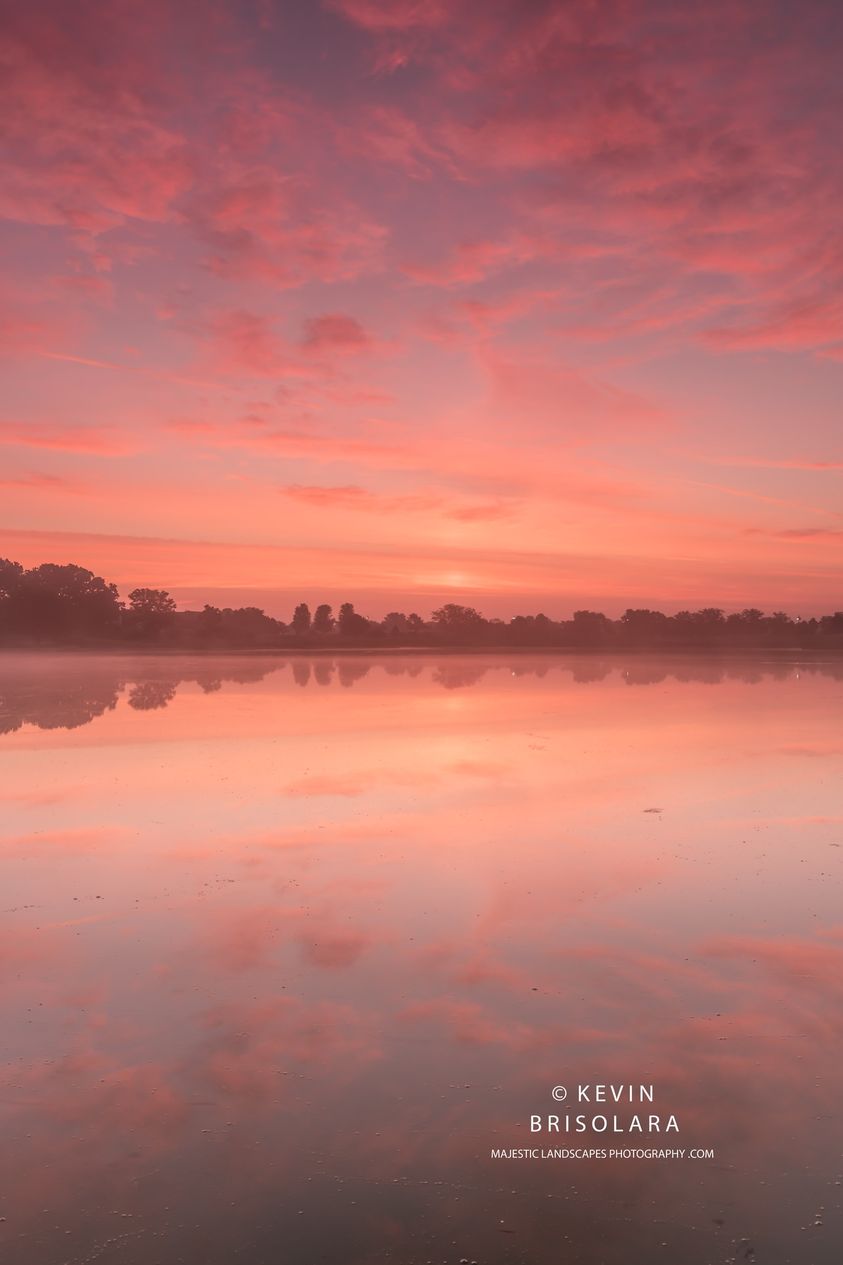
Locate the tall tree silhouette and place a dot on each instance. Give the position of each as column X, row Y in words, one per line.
column 323, row 620
column 350, row 623
column 301, row 620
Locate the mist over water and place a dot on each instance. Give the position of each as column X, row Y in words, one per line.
column 289, row 946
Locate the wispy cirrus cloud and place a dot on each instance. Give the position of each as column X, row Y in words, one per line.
column 797, row 534
column 100, row 441
column 354, row 497
column 775, row 463
column 40, row 481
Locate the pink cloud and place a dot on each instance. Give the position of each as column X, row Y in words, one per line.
column 775, row 463
column 60, row 437
column 799, row 533
column 26, row 325
column 353, row 497
column 474, row 260
column 96, row 288
column 357, row 498
column 401, row 15
column 69, row 842
column 813, row 323
column 358, row 782
column 481, row 513
column 348, row 786
column 335, row 332
column 550, row 397
column 385, row 134
column 467, row 1023
column 87, row 149
column 260, row 225
column 245, row 342
column 813, row 964
column 334, row 951
column 41, row 482
column 633, row 141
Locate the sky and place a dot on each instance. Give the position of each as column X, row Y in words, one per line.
column 526, row 304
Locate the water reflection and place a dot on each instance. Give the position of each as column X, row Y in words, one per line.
column 289, row 946
column 63, row 691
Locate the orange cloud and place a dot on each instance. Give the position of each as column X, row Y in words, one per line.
column 94, row 440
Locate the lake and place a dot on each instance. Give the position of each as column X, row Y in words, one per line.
column 291, row 946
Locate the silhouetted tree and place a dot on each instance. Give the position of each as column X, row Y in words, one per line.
column 209, row 623
column 244, row 626
column 455, row 623
column 350, row 623
column 323, row 620
column 706, row 627
column 644, row 626
column 301, row 620
column 55, row 602
column 11, row 575
column 151, row 612
column 11, row 578
column 394, row 624
column 532, row 630
column 589, row 628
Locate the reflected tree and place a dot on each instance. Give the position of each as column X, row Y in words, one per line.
column 148, row 696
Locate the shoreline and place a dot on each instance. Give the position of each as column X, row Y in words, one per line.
column 833, row 653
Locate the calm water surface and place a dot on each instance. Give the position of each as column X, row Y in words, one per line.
column 289, row 946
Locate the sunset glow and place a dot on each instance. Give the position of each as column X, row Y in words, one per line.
column 402, row 301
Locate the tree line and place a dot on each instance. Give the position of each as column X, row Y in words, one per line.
column 64, row 604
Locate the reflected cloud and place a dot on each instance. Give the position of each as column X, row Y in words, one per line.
column 338, row 942
column 354, row 784
column 52, row 843
column 334, row 951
